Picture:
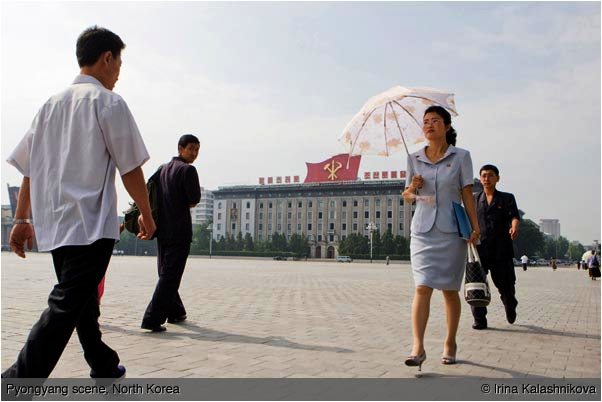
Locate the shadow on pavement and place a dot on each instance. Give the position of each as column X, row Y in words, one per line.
column 206, row 334
column 532, row 329
column 512, row 373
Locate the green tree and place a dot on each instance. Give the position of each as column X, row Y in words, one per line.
column 576, row 250
column 230, row 242
column 563, row 247
column 555, row 248
column 130, row 245
column 298, row 245
column 262, row 245
column 530, row 241
column 388, row 243
column 402, row 245
column 200, row 238
column 221, row 243
column 240, row 244
column 549, row 247
column 279, row 242
column 376, row 243
column 354, row 244
column 344, row 246
column 248, row 242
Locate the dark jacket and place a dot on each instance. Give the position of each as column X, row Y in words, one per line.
column 495, row 221
column 179, row 188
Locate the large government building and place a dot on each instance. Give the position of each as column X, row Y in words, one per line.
column 326, row 207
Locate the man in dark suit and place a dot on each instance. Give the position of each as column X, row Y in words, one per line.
column 179, row 190
column 499, row 221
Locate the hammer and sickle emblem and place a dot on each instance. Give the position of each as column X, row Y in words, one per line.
column 333, row 168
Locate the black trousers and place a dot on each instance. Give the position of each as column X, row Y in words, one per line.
column 72, row 304
column 504, row 279
column 166, row 302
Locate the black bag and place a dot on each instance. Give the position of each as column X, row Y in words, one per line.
column 476, row 288
column 130, row 221
column 595, row 272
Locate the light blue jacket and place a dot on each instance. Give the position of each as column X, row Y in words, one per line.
column 444, row 180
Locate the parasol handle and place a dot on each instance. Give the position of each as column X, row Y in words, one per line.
column 405, row 146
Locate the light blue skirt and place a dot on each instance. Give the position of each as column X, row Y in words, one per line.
column 438, row 259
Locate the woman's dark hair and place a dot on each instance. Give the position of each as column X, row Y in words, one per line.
column 451, row 134
column 93, row 42
column 187, row 139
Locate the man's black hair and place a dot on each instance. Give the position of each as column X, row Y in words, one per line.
column 93, row 42
column 490, row 167
column 187, row 139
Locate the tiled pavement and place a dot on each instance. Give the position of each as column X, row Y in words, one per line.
column 264, row 318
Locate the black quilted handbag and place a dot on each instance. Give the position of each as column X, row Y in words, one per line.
column 476, row 287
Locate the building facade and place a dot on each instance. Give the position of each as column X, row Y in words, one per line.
column 550, row 227
column 7, row 225
column 203, row 212
column 324, row 212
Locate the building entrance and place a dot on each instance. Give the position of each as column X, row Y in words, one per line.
column 330, row 252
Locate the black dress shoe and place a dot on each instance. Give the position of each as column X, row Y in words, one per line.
column 511, row 315
column 176, row 320
column 479, row 325
column 154, row 328
column 119, row 372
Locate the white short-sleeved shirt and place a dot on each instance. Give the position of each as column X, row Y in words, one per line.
column 444, row 181
column 524, row 259
column 70, row 153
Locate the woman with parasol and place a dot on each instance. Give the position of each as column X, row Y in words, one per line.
column 442, row 174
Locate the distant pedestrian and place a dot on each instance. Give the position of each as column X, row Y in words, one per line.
column 388, row 260
column 593, row 264
column 553, row 264
column 68, row 159
column 524, row 260
column 179, row 190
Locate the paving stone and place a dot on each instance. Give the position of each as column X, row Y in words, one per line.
column 261, row 318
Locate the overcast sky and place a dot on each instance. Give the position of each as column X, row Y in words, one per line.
column 269, row 86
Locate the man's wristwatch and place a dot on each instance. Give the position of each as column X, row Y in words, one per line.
column 21, row 221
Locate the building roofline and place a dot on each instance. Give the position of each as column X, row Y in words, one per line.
column 311, row 185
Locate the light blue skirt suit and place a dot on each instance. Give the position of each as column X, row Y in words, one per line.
column 438, row 253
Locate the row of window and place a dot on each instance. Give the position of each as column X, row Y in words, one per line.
column 311, row 237
column 320, row 204
column 354, row 227
column 332, row 215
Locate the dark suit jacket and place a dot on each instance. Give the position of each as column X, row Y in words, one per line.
column 495, row 221
column 178, row 190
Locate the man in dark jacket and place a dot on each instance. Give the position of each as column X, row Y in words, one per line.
column 499, row 221
column 179, row 191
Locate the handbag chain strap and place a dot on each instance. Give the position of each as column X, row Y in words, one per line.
column 475, row 255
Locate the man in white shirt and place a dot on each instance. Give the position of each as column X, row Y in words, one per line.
column 68, row 159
